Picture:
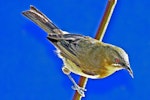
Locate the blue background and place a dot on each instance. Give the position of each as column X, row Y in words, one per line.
column 31, row 70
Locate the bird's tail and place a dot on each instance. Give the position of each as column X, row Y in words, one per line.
column 41, row 20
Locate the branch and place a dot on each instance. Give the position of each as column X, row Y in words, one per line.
column 105, row 20
column 99, row 36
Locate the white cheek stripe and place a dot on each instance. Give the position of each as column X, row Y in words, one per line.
column 116, row 64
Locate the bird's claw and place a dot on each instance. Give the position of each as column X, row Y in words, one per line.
column 79, row 89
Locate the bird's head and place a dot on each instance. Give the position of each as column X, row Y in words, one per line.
column 118, row 59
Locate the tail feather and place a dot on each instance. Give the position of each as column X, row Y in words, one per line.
column 41, row 20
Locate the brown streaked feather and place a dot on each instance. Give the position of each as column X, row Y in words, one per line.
column 41, row 20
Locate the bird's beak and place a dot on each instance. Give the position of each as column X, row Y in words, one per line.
column 130, row 71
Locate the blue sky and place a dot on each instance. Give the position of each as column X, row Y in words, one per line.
column 31, row 70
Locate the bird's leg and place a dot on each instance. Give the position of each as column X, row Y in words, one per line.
column 75, row 86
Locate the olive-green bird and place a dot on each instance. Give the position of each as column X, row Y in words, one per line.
column 82, row 55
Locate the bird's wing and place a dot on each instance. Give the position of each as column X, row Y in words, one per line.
column 67, row 45
column 77, row 48
column 68, row 42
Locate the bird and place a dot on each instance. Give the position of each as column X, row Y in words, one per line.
column 82, row 55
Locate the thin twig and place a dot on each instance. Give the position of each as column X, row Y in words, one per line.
column 105, row 20
column 99, row 36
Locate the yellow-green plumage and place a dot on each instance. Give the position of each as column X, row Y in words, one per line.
column 81, row 54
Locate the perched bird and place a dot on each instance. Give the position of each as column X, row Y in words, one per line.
column 82, row 55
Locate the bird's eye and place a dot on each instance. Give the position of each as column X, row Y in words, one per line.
column 117, row 60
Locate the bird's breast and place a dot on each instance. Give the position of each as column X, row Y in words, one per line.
column 79, row 70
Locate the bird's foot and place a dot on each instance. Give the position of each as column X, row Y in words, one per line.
column 79, row 89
